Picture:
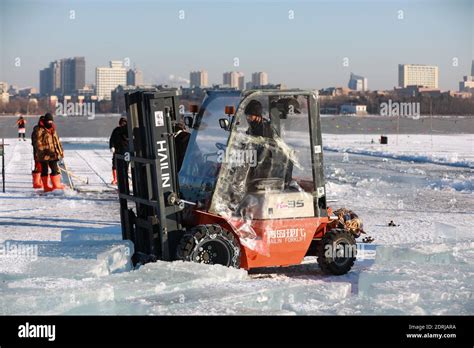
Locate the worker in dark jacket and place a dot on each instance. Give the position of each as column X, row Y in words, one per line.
column 21, row 123
column 118, row 144
column 37, row 183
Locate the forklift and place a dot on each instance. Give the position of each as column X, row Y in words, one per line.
column 245, row 190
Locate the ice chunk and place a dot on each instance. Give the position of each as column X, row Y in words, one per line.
column 445, row 231
column 369, row 278
column 109, row 233
column 168, row 288
column 75, row 260
column 458, row 253
column 116, row 259
column 440, row 254
column 84, row 293
column 420, row 279
column 423, row 293
column 53, row 296
column 250, row 296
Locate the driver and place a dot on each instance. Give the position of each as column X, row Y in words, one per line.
column 272, row 161
column 258, row 126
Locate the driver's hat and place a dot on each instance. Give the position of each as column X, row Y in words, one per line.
column 254, row 107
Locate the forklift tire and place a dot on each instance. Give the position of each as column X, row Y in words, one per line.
column 209, row 244
column 340, row 241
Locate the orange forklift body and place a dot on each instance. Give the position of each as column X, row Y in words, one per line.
column 283, row 242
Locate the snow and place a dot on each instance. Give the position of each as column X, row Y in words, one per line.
column 453, row 150
column 62, row 253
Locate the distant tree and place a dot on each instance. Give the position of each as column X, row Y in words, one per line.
column 12, row 107
column 437, row 105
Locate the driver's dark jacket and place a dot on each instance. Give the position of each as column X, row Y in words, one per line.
column 261, row 129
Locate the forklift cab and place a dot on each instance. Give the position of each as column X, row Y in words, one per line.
column 258, row 171
column 265, row 166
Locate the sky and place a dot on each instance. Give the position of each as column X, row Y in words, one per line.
column 306, row 51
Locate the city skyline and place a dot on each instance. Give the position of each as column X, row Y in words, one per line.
column 184, row 82
column 110, row 77
column 308, row 51
column 418, row 75
column 65, row 76
column 232, row 78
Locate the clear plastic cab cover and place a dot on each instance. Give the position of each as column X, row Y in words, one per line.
column 201, row 164
column 266, row 169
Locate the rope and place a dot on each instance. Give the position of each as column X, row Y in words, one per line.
column 73, row 175
column 349, row 220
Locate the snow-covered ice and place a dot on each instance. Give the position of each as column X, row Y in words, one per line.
column 453, row 150
column 63, row 254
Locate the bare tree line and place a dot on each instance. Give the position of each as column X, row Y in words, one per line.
column 438, row 105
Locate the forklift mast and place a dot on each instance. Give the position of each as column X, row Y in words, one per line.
column 155, row 225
